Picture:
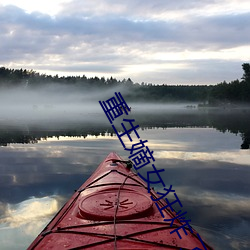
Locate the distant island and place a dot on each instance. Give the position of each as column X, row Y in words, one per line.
column 236, row 92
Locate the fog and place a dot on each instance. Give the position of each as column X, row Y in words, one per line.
column 54, row 102
column 64, row 103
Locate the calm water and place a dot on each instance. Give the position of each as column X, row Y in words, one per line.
column 44, row 161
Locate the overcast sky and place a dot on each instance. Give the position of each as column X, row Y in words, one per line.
column 157, row 41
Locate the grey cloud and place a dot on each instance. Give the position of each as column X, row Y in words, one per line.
column 196, row 72
column 84, row 68
column 229, row 31
column 220, row 31
column 108, row 42
column 135, row 8
column 217, row 31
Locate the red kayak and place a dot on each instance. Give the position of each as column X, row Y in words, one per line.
column 113, row 210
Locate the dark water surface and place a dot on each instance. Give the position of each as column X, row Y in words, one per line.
column 43, row 161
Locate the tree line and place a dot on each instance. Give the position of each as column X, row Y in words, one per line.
column 233, row 121
column 236, row 91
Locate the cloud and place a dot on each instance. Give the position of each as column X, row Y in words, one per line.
column 122, row 30
column 143, row 10
column 127, row 39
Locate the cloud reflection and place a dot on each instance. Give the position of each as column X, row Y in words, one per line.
column 29, row 212
column 236, row 156
column 226, row 216
column 209, row 175
column 22, row 222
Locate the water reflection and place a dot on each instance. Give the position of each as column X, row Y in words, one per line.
column 20, row 222
column 235, row 157
column 235, row 121
column 32, row 209
column 205, row 166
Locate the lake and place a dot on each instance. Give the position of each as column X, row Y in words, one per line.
column 48, row 154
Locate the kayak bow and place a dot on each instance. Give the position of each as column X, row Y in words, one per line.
column 113, row 210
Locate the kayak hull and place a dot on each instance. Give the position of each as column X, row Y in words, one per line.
column 113, row 210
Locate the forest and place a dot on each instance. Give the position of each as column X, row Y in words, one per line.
column 224, row 93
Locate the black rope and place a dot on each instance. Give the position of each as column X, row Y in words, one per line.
column 119, row 237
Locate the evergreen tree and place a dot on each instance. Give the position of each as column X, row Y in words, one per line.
column 246, row 69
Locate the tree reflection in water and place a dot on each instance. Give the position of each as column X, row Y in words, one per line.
column 233, row 121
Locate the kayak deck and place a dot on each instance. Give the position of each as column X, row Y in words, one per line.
column 113, row 210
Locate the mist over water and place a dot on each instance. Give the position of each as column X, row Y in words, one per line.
column 198, row 148
column 60, row 102
column 60, row 107
column 55, row 102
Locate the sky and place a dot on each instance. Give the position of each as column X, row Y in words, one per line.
column 153, row 41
